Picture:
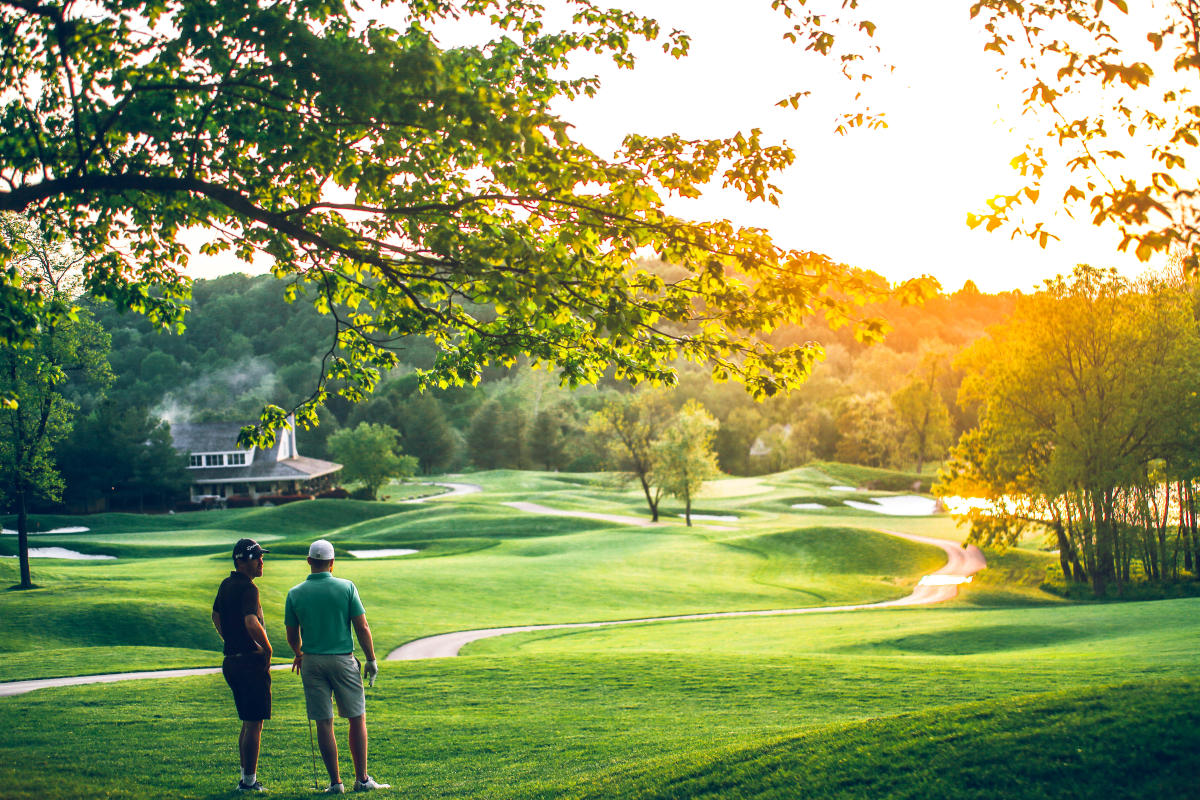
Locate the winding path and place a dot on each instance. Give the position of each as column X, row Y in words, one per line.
column 456, row 490
column 937, row 587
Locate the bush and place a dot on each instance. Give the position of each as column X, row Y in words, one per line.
column 334, row 494
column 239, row 501
column 1184, row 586
column 281, row 499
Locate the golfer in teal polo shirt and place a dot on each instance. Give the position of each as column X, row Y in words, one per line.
column 319, row 614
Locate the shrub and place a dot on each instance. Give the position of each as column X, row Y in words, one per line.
column 281, row 499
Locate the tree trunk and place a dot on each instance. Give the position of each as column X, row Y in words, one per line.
column 23, row 539
column 651, row 500
column 1064, row 549
column 1104, row 571
column 687, row 507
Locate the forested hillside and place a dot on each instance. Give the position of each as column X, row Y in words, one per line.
column 244, row 346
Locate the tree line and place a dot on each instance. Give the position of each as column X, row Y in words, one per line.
column 893, row 404
column 1088, row 399
column 245, row 346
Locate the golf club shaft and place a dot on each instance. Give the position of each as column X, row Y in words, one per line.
column 313, row 749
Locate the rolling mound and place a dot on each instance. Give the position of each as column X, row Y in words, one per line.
column 1129, row 741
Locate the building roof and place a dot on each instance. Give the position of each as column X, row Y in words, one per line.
column 205, row 437
column 267, row 465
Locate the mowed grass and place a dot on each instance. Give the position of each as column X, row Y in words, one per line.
column 758, row 720
column 480, row 563
column 1007, row 691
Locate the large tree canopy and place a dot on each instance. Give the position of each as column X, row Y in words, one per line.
column 404, row 185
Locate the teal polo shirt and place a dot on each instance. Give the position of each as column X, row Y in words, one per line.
column 322, row 607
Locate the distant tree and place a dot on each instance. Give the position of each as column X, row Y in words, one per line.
column 368, row 454
column 921, row 412
column 868, row 431
column 426, row 433
column 121, row 455
column 821, row 429
column 315, row 441
column 783, row 447
column 513, row 433
column 683, row 454
column 735, row 437
column 546, row 441
column 483, row 436
column 67, row 345
column 629, row 425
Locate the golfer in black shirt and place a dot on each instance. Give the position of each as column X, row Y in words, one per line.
column 238, row 618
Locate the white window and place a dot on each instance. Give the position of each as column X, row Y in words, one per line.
column 235, row 459
column 215, row 460
column 195, row 461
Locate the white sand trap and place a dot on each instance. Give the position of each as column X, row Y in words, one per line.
column 62, row 552
column 75, row 529
column 810, row 506
column 383, row 553
column 534, row 508
column 713, row 517
column 907, row 505
column 945, row 580
column 843, row 489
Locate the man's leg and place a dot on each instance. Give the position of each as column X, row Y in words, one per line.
column 249, row 741
column 328, row 745
column 358, row 745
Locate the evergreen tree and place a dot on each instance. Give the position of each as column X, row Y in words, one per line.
column 426, row 434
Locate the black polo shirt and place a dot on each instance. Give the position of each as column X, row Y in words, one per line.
column 237, row 597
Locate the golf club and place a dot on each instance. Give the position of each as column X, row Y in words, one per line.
column 313, row 749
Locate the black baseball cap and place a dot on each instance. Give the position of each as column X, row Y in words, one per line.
column 247, row 549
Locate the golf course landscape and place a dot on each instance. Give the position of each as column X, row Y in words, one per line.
column 1005, row 691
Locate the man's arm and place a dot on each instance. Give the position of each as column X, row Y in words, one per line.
column 294, row 641
column 258, row 634
column 363, row 631
column 216, row 618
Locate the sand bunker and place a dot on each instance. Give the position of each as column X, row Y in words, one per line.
column 907, row 505
column 75, row 529
column 383, row 553
column 843, row 489
column 714, row 517
column 944, row 580
column 62, row 552
column 810, row 506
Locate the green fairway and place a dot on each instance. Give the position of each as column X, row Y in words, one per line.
column 876, row 703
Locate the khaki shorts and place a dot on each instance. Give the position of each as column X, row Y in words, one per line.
column 332, row 675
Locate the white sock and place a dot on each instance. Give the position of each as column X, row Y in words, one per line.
column 249, row 778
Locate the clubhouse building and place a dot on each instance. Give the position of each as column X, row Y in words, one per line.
column 221, row 472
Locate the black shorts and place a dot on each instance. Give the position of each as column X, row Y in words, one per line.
column 249, row 676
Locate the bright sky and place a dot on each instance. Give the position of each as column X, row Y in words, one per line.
column 892, row 200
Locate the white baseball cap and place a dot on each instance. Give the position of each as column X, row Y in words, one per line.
column 321, row 550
